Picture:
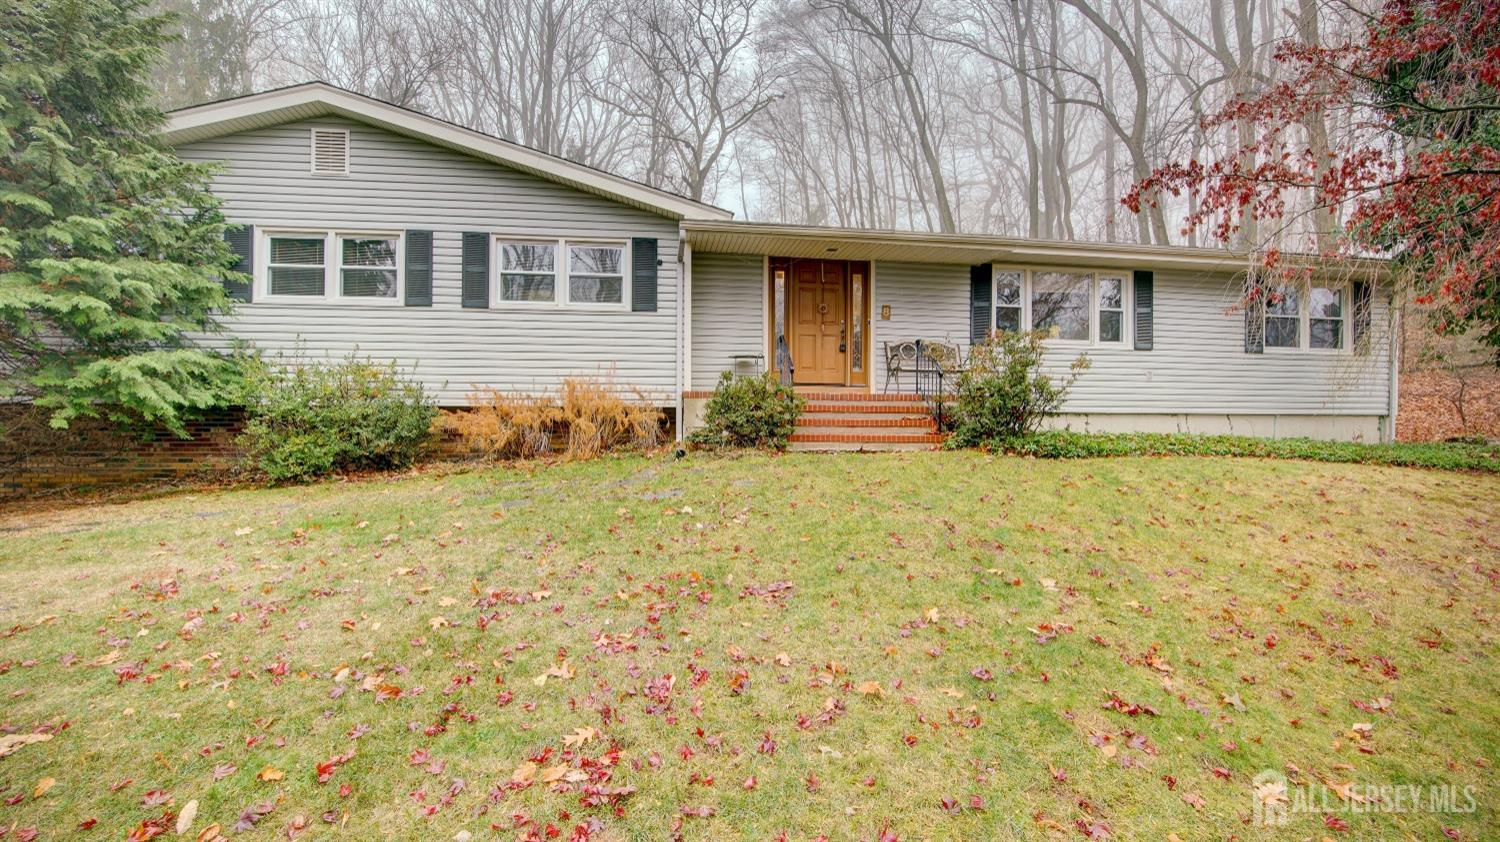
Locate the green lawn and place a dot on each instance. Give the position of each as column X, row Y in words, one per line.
column 938, row 645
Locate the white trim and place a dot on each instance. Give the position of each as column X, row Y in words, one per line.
column 561, row 269
column 315, row 99
column 498, row 242
column 805, row 241
column 1127, row 293
column 1304, row 320
column 333, row 265
column 627, row 268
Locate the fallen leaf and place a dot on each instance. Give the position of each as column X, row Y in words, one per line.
column 870, row 688
column 271, row 773
column 185, row 818
column 524, row 774
column 581, row 735
column 9, row 743
column 42, row 786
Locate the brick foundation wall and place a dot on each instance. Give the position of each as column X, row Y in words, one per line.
column 35, row 458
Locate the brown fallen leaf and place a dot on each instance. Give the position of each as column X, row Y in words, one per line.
column 580, row 736
column 524, row 774
column 9, row 743
column 42, row 786
column 870, row 688
column 210, row 833
column 271, row 773
column 553, row 773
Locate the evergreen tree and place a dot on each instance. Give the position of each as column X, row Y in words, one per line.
column 111, row 248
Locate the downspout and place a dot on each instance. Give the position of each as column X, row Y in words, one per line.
column 1393, row 405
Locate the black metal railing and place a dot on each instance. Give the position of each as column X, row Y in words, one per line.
column 936, row 373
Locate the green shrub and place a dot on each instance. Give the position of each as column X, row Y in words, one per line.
column 749, row 412
column 312, row 420
column 1066, row 444
column 1003, row 392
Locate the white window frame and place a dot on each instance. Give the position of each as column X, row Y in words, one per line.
column 1304, row 319
column 562, row 267
column 333, row 264
column 498, row 271
column 625, row 266
column 1127, row 295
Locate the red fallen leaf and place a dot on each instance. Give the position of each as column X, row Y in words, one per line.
column 950, row 806
column 811, row 782
column 1335, row 823
column 909, row 739
column 982, row 674
column 26, row 834
column 1193, row 800
column 152, row 828
column 345, row 790
column 1271, row 641
column 156, row 798
column 887, row 835
column 88, row 823
column 1128, row 708
column 976, row 803
column 1170, row 781
column 767, row 745
column 119, row 785
column 1095, row 830
column 386, row 692
column 1221, row 772
column 702, row 812
column 749, row 783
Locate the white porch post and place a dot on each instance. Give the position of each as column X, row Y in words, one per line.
column 685, row 309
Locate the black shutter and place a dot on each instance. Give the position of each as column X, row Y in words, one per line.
column 476, row 269
column 1145, row 310
column 981, row 296
column 643, row 271
column 241, row 239
column 419, row 268
column 1255, row 314
column 1361, row 323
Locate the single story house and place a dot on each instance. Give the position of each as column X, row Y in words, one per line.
column 476, row 263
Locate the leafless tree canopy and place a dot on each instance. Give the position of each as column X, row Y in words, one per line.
column 1021, row 117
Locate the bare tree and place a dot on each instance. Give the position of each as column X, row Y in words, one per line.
column 688, row 72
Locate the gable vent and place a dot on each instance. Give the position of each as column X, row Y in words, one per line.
column 330, row 152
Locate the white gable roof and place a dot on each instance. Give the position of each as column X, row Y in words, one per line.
column 319, row 99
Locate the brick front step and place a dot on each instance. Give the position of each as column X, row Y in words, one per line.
column 861, row 408
column 860, row 419
column 860, row 397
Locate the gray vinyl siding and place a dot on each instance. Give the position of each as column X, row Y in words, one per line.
column 399, row 183
column 1198, row 365
column 928, row 301
column 728, row 314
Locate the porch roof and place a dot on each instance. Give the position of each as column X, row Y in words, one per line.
column 967, row 249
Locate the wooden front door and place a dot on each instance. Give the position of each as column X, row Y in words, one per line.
column 819, row 322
